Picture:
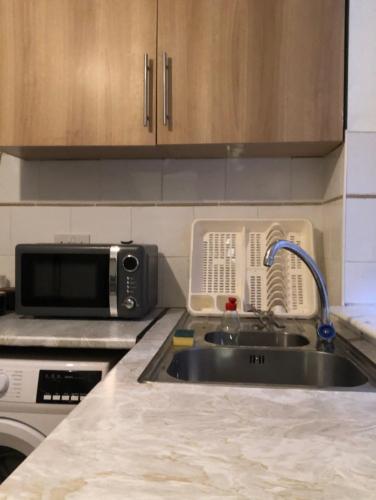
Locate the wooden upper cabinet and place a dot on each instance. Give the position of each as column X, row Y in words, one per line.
column 72, row 72
column 264, row 73
column 251, row 71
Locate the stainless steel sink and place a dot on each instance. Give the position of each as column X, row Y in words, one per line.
column 261, row 366
column 285, row 356
column 257, row 339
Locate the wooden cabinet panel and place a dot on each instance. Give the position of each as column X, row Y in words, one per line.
column 72, row 72
column 264, row 73
column 252, row 71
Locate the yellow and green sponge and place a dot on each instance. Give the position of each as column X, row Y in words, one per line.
column 183, row 338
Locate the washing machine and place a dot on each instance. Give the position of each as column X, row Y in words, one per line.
column 38, row 388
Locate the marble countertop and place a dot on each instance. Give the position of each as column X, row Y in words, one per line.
column 81, row 333
column 361, row 317
column 161, row 441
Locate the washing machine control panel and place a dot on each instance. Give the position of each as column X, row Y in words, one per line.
column 4, row 383
column 65, row 386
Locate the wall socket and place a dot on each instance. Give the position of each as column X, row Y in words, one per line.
column 72, row 238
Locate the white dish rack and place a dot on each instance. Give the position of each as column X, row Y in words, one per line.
column 227, row 260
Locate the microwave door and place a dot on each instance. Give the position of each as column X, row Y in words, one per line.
column 66, row 283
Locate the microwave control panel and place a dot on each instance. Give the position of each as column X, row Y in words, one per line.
column 65, row 386
column 137, row 280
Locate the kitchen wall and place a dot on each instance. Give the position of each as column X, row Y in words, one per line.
column 333, row 224
column 157, row 200
column 360, row 246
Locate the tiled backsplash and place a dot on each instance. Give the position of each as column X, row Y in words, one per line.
column 360, row 247
column 333, row 224
column 155, row 201
column 362, row 67
column 169, row 181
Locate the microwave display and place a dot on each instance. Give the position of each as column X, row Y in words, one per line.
column 65, row 280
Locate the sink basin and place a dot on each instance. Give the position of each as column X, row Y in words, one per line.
column 265, row 366
column 257, row 339
column 286, row 358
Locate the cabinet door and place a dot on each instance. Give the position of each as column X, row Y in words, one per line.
column 251, row 71
column 72, row 72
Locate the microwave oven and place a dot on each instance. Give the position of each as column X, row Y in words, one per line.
column 79, row 280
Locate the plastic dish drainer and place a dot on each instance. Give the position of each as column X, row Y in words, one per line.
column 227, row 259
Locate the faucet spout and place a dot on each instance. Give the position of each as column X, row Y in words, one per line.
column 325, row 329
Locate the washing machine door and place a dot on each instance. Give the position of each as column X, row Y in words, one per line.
column 17, row 440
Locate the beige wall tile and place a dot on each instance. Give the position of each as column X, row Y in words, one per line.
column 5, row 266
column 168, row 227
column 334, row 173
column 333, row 274
column 333, row 237
column 226, row 212
column 173, row 281
column 362, row 66
column 360, row 283
column 307, row 178
column 19, row 180
column 12, row 270
column 194, row 180
column 361, row 230
column 361, row 162
column 333, row 229
column 258, row 179
column 4, row 230
column 69, row 181
column 38, row 224
column 131, row 180
column 104, row 224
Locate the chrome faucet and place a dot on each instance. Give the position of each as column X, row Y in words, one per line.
column 325, row 328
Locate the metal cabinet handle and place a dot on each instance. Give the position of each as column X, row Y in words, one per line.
column 166, row 110
column 146, row 90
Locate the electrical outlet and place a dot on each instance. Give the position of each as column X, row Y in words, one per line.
column 72, row 238
column 62, row 238
column 80, row 238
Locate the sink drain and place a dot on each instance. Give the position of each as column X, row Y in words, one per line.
column 257, row 359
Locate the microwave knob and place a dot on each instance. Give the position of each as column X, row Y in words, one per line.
column 131, row 263
column 130, row 303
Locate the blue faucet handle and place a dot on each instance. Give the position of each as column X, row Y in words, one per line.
column 326, row 332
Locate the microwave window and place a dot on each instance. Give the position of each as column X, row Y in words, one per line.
column 65, row 280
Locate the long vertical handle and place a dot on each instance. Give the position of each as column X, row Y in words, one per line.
column 166, row 111
column 146, row 90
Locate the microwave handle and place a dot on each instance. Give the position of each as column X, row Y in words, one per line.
column 113, row 279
